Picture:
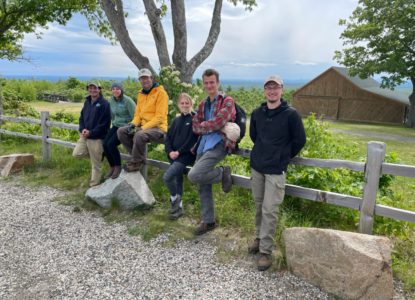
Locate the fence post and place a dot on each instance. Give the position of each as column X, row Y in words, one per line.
column 46, row 147
column 144, row 169
column 373, row 171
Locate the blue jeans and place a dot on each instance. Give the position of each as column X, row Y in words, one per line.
column 205, row 174
column 173, row 178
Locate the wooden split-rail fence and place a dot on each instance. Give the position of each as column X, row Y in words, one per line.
column 373, row 168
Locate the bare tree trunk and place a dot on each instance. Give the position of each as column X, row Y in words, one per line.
column 200, row 57
column 115, row 13
column 180, row 34
column 153, row 14
column 410, row 121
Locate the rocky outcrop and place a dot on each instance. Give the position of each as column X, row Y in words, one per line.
column 349, row 265
column 13, row 163
column 128, row 191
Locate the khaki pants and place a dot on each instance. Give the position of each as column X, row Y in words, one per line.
column 268, row 191
column 92, row 149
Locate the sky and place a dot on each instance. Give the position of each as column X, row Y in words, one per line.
column 295, row 39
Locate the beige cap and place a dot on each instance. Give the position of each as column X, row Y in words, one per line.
column 144, row 72
column 274, row 78
column 95, row 84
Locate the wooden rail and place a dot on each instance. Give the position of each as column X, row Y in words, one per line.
column 373, row 168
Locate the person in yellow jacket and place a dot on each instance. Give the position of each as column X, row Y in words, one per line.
column 149, row 123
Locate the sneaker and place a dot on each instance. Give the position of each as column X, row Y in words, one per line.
column 175, row 205
column 110, row 172
column 254, row 247
column 117, row 172
column 264, row 262
column 132, row 166
column 176, row 214
column 204, row 227
column 226, row 179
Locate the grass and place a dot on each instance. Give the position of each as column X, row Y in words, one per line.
column 69, row 107
column 235, row 211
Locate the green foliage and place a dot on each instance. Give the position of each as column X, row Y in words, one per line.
column 22, row 16
column 73, row 82
column 169, row 77
column 379, row 37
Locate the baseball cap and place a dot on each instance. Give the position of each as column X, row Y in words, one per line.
column 274, row 78
column 144, row 72
column 97, row 85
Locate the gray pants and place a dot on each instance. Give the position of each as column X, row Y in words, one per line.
column 136, row 144
column 268, row 191
column 205, row 174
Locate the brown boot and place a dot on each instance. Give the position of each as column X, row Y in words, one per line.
column 132, row 166
column 110, row 172
column 254, row 247
column 264, row 262
column 117, row 172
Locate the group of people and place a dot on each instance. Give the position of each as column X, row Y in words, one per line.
column 200, row 139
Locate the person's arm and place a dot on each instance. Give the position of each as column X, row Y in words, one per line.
column 103, row 121
column 81, row 119
column 137, row 112
column 190, row 141
column 169, row 138
column 297, row 132
column 226, row 113
column 160, row 115
column 252, row 128
column 130, row 107
column 198, row 118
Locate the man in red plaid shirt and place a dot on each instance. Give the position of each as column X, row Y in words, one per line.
column 212, row 115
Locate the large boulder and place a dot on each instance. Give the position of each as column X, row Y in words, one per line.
column 13, row 163
column 129, row 190
column 349, row 265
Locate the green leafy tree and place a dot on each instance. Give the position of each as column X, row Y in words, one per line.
column 155, row 10
column 380, row 39
column 19, row 17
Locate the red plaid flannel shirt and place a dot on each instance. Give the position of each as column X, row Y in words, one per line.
column 224, row 112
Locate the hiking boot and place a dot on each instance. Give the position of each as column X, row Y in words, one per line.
column 264, row 262
column 204, row 227
column 132, row 166
column 254, row 247
column 117, row 172
column 175, row 205
column 110, row 172
column 177, row 213
column 226, row 179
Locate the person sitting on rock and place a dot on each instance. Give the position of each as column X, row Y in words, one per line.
column 149, row 123
column 179, row 140
column 122, row 112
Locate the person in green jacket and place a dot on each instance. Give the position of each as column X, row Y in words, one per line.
column 122, row 112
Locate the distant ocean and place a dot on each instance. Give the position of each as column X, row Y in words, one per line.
column 234, row 83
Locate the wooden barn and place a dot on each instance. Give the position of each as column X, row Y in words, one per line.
column 337, row 96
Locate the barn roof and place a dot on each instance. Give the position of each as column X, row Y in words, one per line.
column 371, row 85
column 368, row 84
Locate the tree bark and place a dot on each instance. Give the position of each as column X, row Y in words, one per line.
column 153, row 14
column 180, row 34
column 410, row 121
column 115, row 13
column 200, row 57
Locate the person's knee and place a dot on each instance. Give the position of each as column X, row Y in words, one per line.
column 194, row 176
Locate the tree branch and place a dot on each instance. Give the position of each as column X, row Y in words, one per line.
column 211, row 40
column 180, row 33
column 114, row 11
column 153, row 14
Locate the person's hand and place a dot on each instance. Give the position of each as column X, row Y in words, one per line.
column 85, row 133
column 131, row 129
column 174, row 155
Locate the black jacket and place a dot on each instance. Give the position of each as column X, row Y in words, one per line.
column 96, row 117
column 278, row 135
column 180, row 137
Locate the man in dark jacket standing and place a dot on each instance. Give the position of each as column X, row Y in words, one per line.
column 277, row 132
column 94, row 124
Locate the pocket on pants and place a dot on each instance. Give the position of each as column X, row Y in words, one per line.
column 280, row 181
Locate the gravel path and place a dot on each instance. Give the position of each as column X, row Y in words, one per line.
column 49, row 252
column 380, row 136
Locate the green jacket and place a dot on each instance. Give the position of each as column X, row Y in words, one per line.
column 122, row 111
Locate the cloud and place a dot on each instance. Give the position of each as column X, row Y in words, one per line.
column 252, row 65
column 304, row 63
